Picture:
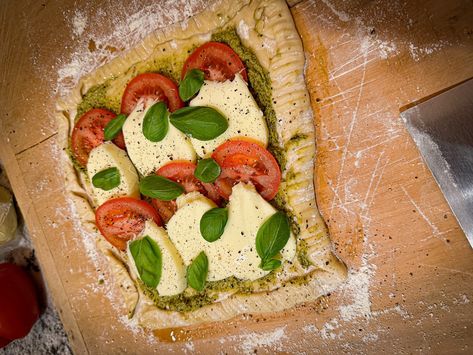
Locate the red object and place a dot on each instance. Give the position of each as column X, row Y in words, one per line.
column 217, row 60
column 182, row 173
column 121, row 219
column 151, row 86
column 19, row 307
column 88, row 133
column 248, row 162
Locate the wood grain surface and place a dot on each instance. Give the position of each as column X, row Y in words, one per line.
column 411, row 268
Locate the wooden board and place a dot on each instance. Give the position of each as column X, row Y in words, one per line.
column 410, row 286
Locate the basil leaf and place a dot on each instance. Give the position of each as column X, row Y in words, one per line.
column 212, row 223
column 197, row 272
column 159, row 187
column 207, row 170
column 155, row 122
column 148, row 260
column 272, row 236
column 191, row 84
column 114, row 127
column 271, row 264
column 156, row 186
column 106, row 179
column 200, row 122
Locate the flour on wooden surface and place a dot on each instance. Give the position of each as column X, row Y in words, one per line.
column 130, row 30
column 79, row 21
column 419, row 51
column 97, row 48
column 356, row 294
column 248, row 342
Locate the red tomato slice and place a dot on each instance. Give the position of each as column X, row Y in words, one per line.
column 88, row 133
column 183, row 173
column 166, row 209
column 121, row 219
column 151, row 86
column 19, row 307
column 248, row 162
column 217, row 60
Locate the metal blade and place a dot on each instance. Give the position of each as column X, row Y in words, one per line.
column 442, row 128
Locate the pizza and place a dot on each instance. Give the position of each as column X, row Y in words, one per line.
column 192, row 162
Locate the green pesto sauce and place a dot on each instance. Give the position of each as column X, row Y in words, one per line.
column 96, row 97
column 296, row 139
column 190, row 300
column 186, row 301
column 303, row 254
column 74, row 161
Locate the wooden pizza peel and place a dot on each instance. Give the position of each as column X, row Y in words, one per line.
column 410, row 285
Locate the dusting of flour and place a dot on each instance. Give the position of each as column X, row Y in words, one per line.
column 250, row 341
column 79, row 21
column 130, row 30
column 95, row 48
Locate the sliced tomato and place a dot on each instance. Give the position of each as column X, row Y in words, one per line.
column 88, row 133
column 217, row 60
column 248, row 162
column 121, row 219
column 151, row 87
column 183, row 173
column 166, row 209
column 19, row 308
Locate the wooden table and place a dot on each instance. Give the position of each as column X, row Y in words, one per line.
column 411, row 279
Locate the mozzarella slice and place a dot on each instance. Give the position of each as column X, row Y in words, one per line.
column 173, row 274
column 184, row 226
column 149, row 156
column 235, row 252
column 108, row 155
column 247, row 211
column 234, row 100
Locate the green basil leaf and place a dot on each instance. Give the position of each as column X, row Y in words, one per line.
column 191, row 84
column 114, row 127
column 200, row 122
column 156, row 186
column 212, row 223
column 270, row 264
column 197, row 272
column 106, row 179
column 148, row 260
column 207, row 170
column 272, row 236
column 156, row 123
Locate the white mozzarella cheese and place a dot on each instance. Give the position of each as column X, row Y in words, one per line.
column 247, row 211
column 108, row 155
column 184, row 226
column 235, row 252
column 173, row 274
column 149, row 156
column 234, row 100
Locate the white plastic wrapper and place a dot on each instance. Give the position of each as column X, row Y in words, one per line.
column 8, row 218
